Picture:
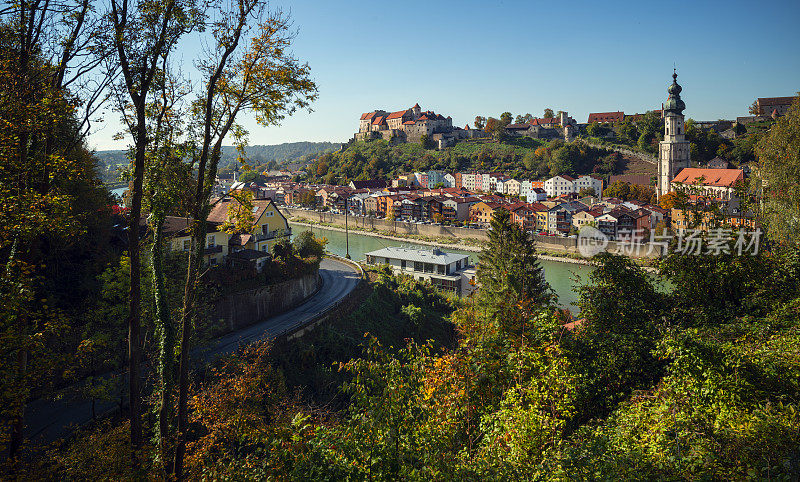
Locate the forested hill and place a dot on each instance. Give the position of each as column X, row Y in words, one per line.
column 517, row 157
column 257, row 155
column 286, row 152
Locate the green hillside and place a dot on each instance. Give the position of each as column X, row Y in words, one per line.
column 520, row 158
column 277, row 154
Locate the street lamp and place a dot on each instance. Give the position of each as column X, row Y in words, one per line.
column 346, row 232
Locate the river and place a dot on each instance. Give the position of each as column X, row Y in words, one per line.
column 563, row 277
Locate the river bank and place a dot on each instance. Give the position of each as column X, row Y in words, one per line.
column 438, row 241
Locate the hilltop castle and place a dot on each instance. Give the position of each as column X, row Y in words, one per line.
column 410, row 125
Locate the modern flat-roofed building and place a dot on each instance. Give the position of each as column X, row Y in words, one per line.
column 443, row 270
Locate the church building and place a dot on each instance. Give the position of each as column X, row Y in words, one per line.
column 673, row 152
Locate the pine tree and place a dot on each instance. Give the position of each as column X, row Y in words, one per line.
column 512, row 284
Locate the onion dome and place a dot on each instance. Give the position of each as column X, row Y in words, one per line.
column 674, row 103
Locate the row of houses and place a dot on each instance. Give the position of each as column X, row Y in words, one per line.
column 562, row 217
column 498, row 182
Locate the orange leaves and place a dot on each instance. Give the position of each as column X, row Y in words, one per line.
column 240, row 402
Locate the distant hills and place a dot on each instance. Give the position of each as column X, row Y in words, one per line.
column 288, row 152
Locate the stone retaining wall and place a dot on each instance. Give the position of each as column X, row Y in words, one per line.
column 239, row 310
column 399, row 227
column 545, row 243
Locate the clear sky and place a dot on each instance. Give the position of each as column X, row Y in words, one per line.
column 471, row 58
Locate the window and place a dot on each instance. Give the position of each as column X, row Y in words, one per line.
column 440, row 269
column 210, row 242
column 417, row 266
column 187, row 244
column 403, row 264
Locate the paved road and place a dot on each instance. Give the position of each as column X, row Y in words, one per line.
column 48, row 420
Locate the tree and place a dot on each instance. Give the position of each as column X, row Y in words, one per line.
column 621, row 309
column 668, row 200
column 511, row 279
column 426, row 142
column 779, row 167
column 587, row 191
column 626, row 132
column 480, row 122
column 240, row 74
column 496, row 128
column 305, row 245
column 46, row 103
column 754, row 109
column 523, row 119
column 143, row 36
column 594, row 129
column 548, row 113
column 505, row 118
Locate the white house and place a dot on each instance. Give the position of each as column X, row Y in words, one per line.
column 443, row 270
column 449, row 180
column 486, row 183
column 511, row 187
column 468, row 181
column 559, row 185
column 588, row 182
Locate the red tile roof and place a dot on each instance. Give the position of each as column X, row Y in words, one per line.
column 409, row 123
column 544, row 121
column 606, row 116
column 762, row 101
column 378, row 121
column 396, row 115
column 711, row 177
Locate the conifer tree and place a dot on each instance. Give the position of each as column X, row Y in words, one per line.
column 511, row 279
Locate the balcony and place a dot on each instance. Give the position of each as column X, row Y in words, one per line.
column 213, row 249
column 273, row 235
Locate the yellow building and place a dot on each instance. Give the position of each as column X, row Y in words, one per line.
column 481, row 213
column 705, row 220
column 269, row 227
column 269, row 224
column 176, row 231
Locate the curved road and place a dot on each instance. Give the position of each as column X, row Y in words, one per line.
column 47, row 420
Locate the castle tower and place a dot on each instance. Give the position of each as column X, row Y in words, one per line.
column 416, row 111
column 673, row 152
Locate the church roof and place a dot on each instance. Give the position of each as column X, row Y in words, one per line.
column 710, row 177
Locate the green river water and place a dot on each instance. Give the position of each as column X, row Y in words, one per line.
column 563, row 277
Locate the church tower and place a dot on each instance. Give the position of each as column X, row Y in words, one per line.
column 673, row 152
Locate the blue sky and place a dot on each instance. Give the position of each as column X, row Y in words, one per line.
column 471, row 58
